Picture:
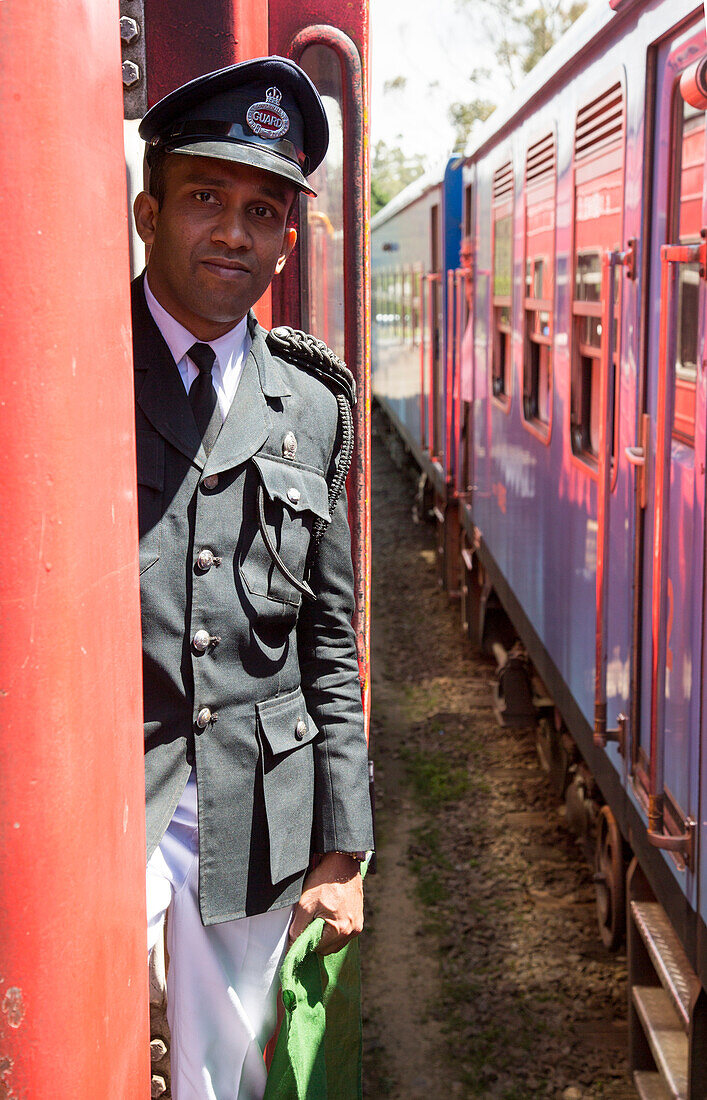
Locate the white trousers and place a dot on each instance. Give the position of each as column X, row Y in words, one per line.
column 223, row 980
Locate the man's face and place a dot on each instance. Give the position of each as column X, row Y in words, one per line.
column 466, row 254
column 216, row 241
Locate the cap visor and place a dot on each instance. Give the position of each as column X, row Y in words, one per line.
column 251, row 155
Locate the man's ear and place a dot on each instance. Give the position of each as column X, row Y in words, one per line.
column 288, row 244
column 146, row 211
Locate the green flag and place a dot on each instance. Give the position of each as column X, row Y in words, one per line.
column 318, row 1051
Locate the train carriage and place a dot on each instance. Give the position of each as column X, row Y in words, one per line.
column 565, row 398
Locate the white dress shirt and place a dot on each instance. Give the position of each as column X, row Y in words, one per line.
column 231, row 351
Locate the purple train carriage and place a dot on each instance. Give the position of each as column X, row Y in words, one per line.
column 554, row 393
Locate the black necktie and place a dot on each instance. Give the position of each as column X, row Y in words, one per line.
column 202, row 395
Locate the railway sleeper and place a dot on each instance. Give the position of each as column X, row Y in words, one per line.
column 667, row 1006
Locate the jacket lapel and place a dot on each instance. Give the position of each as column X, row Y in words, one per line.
column 248, row 423
column 161, row 394
column 163, row 399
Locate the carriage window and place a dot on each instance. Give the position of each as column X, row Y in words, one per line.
column 398, row 305
column 539, row 282
column 468, row 209
column 502, row 281
column 416, row 298
column 598, row 182
column 688, row 173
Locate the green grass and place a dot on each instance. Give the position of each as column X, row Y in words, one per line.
column 435, row 779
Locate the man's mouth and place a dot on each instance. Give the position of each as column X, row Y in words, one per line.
column 226, row 269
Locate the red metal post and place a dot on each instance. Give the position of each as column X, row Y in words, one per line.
column 73, row 977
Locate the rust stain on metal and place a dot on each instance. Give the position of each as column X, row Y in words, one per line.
column 13, row 1006
column 6, row 1067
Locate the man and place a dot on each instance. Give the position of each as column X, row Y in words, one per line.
column 255, row 751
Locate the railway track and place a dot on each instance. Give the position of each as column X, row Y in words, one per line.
column 484, row 975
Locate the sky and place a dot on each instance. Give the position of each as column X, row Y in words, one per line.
column 436, row 45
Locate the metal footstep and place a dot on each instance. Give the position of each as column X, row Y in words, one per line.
column 668, row 1010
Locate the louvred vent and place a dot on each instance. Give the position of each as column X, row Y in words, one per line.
column 600, row 125
column 540, row 164
column 503, row 182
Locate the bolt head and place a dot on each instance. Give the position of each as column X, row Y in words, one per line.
column 131, row 74
column 129, row 29
column 158, row 1049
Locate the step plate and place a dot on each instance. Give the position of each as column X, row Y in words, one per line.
column 668, row 956
column 664, row 1032
column 649, row 1086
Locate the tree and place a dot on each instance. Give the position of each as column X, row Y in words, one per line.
column 522, row 31
column 543, row 26
column 463, row 117
column 391, row 171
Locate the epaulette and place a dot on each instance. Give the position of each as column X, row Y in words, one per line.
column 305, row 351
column 313, row 355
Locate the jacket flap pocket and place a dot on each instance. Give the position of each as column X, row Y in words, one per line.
column 150, row 459
column 285, row 723
column 301, row 490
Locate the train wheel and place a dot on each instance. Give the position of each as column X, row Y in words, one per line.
column 610, row 880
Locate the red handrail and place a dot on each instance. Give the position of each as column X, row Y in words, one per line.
column 356, row 312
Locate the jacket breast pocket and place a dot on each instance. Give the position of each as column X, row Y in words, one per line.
column 292, row 497
column 150, row 488
column 286, row 733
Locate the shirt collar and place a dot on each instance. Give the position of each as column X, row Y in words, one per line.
column 178, row 339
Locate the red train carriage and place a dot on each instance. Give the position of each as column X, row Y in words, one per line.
column 565, row 448
column 73, row 989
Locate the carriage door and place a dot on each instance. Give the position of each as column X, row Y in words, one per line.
column 666, row 758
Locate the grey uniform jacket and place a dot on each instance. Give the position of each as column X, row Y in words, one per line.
column 281, row 765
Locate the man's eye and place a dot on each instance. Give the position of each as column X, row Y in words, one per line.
column 204, row 196
column 262, row 211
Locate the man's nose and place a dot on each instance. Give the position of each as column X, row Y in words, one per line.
column 231, row 229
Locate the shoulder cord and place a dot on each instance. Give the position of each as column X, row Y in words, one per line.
column 320, row 525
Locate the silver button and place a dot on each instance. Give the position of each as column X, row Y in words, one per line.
column 293, row 495
column 211, row 481
column 203, row 718
column 205, row 559
column 300, row 729
column 201, row 640
column 289, row 445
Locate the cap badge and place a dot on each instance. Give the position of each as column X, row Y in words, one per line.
column 268, row 120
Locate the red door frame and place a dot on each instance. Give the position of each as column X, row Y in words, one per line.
column 73, row 979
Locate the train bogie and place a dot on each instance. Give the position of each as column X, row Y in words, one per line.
column 562, row 415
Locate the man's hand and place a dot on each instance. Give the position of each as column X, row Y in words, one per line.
column 333, row 890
